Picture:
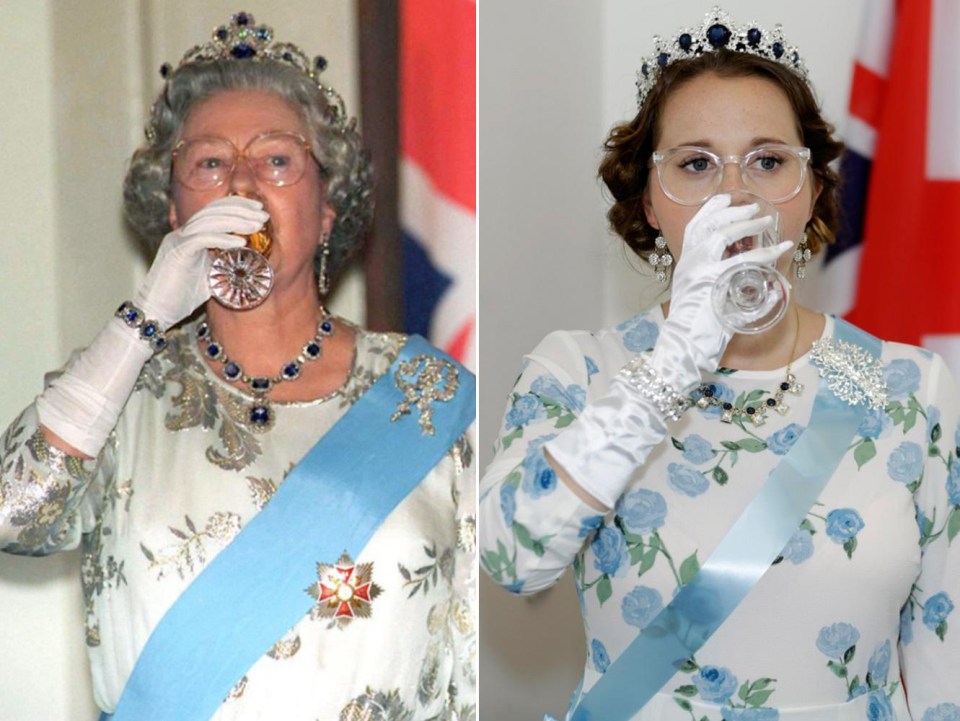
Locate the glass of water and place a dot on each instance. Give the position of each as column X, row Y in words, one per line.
column 751, row 297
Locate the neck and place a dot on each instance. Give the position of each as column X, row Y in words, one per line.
column 776, row 347
column 263, row 338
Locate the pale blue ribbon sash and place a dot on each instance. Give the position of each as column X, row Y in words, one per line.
column 254, row 591
column 739, row 561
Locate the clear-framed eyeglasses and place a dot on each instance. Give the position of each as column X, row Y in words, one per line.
column 689, row 175
column 208, row 162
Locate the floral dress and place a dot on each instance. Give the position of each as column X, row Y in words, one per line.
column 855, row 615
column 179, row 478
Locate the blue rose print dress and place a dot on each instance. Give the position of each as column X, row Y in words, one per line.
column 854, row 618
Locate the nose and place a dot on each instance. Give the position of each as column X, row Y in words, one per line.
column 243, row 181
column 730, row 178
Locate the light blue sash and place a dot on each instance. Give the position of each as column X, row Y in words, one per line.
column 738, row 563
column 253, row 592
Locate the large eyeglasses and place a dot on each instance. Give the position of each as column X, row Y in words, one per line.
column 208, row 162
column 689, row 175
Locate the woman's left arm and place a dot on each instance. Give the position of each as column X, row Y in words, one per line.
column 929, row 629
column 464, row 612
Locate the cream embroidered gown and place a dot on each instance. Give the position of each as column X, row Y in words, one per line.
column 178, row 480
column 862, row 593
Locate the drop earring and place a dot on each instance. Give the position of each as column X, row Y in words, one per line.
column 323, row 277
column 660, row 259
column 800, row 257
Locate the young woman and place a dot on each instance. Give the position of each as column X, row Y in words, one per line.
column 760, row 526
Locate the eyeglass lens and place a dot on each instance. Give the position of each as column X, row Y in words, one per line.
column 205, row 163
column 691, row 175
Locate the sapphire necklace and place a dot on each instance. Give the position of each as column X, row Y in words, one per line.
column 259, row 414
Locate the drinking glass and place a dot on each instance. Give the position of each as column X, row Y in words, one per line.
column 751, row 297
column 241, row 278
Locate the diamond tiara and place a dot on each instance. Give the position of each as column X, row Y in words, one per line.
column 717, row 32
column 243, row 39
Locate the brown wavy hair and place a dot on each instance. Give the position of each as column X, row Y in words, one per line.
column 624, row 169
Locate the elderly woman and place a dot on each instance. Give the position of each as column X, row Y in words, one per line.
column 274, row 504
column 760, row 526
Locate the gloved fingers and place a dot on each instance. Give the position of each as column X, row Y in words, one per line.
column 233, row 214
column 221, row 241
column 759, row 256
column 740, row 229
column 715, row 215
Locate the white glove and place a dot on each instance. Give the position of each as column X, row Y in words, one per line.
column 83, row 404
column 177, row 282
column 692, row 340
column 613, row 435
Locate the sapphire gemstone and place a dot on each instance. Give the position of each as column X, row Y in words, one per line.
column 243, row 19
column 320, row 62
column 263, row 34
column 313, row 349
column 751, row 410
column 718, row 35
column 149, row 330
column 242, row 51
column 645, row 70
column 709, row 391
column 291, row 370
column 213, row 350
column 753, row 37
column 727, row 406
column 259, row 415
column 222, row 33
column 663, row 59
column 288, row 56
column 202, row 331
column 784, row 386
column 159, row 343
column 771, row 402
column 260, row 384
column 685, row 41
column 326, row 327
column 231, row 371
column 778, row 50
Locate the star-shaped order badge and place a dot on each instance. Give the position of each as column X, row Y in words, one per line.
column 344, row 590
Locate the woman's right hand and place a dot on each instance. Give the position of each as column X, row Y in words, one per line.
column 692, row 340
column 177, row 282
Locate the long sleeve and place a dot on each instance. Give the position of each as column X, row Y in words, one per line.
column 464, row 613
column 532, row 526
column 44, row 504
column 929, row 637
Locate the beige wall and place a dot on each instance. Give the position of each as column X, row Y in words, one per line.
column 76, row 80
column 554, row 76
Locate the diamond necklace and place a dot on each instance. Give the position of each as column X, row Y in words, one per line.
column 260, row 413
column 755, row 412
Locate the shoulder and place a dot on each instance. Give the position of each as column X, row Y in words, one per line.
column 583, row 353
column 913, row 370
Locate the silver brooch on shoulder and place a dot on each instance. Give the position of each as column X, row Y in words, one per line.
column 852, row 374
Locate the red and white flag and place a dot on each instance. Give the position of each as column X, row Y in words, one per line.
column 905, row 105
column 438, row 201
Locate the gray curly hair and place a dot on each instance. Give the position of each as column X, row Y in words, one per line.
column 345, row 164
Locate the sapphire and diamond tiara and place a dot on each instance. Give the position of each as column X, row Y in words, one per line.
column 718, row 32
column 243, row 39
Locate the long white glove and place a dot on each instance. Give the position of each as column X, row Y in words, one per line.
column 83, row 404
column 613, row 436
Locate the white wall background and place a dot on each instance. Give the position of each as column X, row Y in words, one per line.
column 77, row 79
column 555, row 75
